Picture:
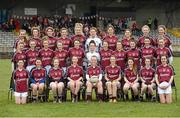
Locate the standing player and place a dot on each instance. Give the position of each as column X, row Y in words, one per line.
column 78, row 31
column 164, row 78
column 64, row 39
column 93, row 36
column 35, row 31
column 62, row 55
column 56, row 77
column 113, row 76
column 19, row 55
column 46, row 55
column 78, row 52
column 92, row 52
column 111, row 38
column 134, row 53
column 141, row 42
column 131, row 79
column 147, row 74
column 147, row 52
column 22, row 38
column 126, row 39
column 74, row 75
column 21, row 76
column 31, row 55
column 105, row 55
column 37, row 80
column 51, row 38
column 120, row 55
column 94, row 77
column 162, row 50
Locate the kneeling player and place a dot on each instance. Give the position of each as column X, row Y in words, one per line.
column 21, row 76
column 56, row 81
column 75, row 75
column 147, row 74
column 38, row 76
column 113, row 76
column 131, row 79
column 94, row 77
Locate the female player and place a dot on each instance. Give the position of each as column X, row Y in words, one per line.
column 74, row 75
column 37, row 80
column 111, row 38
column 131, row 79
column 51, row 38
column 56, row 81
column 94, row 77
column 31, row 55
column 126, row 39
column 21, row 77
column 147, row 75
column 64, row 39
column 46, row 55
column 164, row 78
column 112, row 76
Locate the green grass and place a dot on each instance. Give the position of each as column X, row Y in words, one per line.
column 82, row 109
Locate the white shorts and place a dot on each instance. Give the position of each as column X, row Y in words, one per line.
column 17, row 94
column 51, row 84
column 166, row 91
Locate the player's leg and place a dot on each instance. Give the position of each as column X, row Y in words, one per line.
column 60, row 91
column 89, row 90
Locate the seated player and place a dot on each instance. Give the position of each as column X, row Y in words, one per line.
column 62, row 55
column 131, row 79
column 46, row 55
column 94, row 77
column 164, row 77
column 37, row 80
column 74, row 75
column 31, row 55
column 21, row 76
column 113, row 76
column 147, row 74
column 56, row 81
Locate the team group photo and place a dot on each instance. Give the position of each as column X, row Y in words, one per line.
column 114, row 60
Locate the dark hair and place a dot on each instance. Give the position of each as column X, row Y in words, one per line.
column 93, row 42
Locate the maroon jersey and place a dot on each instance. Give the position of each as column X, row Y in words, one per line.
column 162, row 51
column 52, row 43
column 19, row 56
column 167, row 41
column 31, row 56
column 75, row 72
column 94, row 71
column 78, row 52
column 147, row 52
column 140, row 42
column 66, row 43
column 26, row 46
column 126, row 44
column 81, row 38
column 120, row 58
column 38, row 74
column 21, row 80
column 164, row 73
column 135, row 54
column 38, row 43
column 112, row 40
column 46, row 56
column 130, row 75
column 105, row 58
column 113, row 72
column 55, row 74
column 62, row 56
column 147, row 74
